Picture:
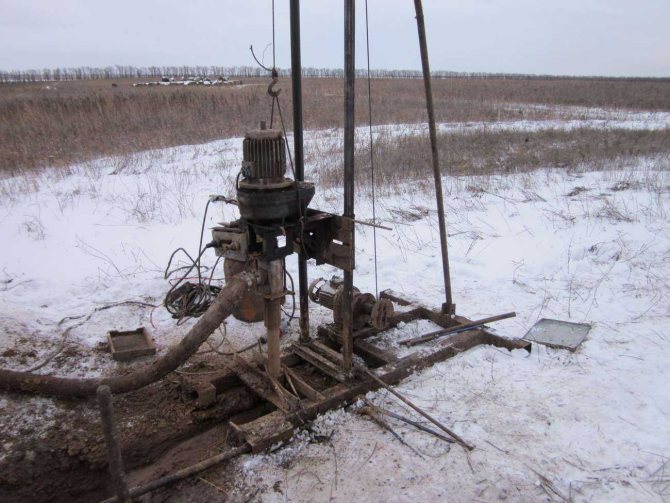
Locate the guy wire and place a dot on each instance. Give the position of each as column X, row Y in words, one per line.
column 372, row 164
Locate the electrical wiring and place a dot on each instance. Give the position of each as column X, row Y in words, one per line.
column 185, row 299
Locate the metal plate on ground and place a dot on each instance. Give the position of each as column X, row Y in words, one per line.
column 127, row 345
column 558, row 334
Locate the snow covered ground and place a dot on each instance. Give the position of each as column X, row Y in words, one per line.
column 592, row 247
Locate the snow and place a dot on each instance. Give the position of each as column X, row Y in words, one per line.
column 593, row 425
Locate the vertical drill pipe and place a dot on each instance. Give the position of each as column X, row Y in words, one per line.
column 112, row 440
column 273, row 316
column 349, row 124
column 296, row 84
column 433, row 148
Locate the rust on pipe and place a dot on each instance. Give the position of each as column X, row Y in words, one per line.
column 273, row 316
column 454, row 330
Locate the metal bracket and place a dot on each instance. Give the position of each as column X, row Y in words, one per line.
column 328, row 239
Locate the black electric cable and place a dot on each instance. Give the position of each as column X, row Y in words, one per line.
column 291, row 316
column 202, row 233
column 185, row 299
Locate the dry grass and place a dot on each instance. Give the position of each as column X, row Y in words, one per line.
column 65, row 122
column 400, row 159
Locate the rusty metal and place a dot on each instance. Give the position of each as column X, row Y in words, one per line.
column 349, row 125
column 114, row 457
column 273, row 316
column 274, row 93
column 328, row 238
column 130, row 344
column 366, row 310
column 381, row 314
column 283, row 412
column 437, row 175
column 298, row 154
column 321, row 357
column 455, row 329
column 232, row 241
column 251, row 305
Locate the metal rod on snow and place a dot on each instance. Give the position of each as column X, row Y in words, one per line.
column 437, row 176
column 425, row 414
column 454, row 330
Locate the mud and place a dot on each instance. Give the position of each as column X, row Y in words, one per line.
column 58, row 453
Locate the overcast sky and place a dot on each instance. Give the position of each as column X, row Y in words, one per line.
column 575, row 37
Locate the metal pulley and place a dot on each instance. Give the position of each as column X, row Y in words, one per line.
column 366, row 309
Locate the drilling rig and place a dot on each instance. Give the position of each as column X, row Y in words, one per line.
column 311, row 375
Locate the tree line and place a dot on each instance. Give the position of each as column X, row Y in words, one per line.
column 157, row 72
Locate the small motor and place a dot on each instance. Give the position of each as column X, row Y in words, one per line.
column 366, row 309
column 264, row 160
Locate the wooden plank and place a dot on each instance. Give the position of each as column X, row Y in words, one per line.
column 371, row 352
column 302, row 386
column 265, row 431
column 258, row 383
column 362, row 348
column 326, row 351
column 320, row 362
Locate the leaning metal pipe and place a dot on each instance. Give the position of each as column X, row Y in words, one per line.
column 437, row 176
column 25, row 382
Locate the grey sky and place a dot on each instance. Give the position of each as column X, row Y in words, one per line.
column 577, row 37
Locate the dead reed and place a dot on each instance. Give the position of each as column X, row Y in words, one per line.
column 401, row 159
column 64, row 122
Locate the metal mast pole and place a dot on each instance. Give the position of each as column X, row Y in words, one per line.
column 349, row 124
column 448, row 307
column 296, row 85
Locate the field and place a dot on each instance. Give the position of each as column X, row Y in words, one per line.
column 558, row 206
column 57, row 123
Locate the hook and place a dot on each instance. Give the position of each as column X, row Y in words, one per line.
column 275, row 81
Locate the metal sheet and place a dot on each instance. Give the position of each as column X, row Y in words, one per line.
column 130, row 344
column 558, row 334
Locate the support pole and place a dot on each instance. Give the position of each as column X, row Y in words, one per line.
column 273, row 316
column 112, row 441
column 349, row 124
column 448, row 307
column 298, row 154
